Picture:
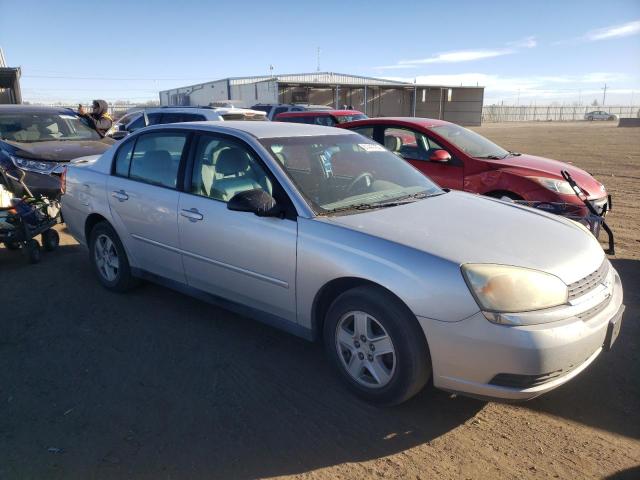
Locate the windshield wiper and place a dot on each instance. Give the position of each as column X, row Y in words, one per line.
column 514, row 154
column 393, row 203
column 492, row 157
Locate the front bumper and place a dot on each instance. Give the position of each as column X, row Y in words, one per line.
column 478, row 358
column 39, row 184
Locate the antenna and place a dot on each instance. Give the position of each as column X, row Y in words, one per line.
column 318, row 58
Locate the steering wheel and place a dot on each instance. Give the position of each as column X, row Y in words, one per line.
column 363, row 177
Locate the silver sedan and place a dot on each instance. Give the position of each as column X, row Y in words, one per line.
column 325, row 234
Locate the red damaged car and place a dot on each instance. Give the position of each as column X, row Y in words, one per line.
column 458, row 158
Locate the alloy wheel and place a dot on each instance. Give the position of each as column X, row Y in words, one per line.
column 106, row 258
column 365, row 349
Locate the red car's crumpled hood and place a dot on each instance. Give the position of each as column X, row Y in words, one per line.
column 546, row 167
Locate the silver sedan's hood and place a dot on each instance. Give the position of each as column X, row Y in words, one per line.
column 466, row 228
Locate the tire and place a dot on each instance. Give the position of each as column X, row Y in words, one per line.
column 590, row 119
column 12, row 245
column 50, row 240
column 109, row 259
column 399, row 374
column 32, row 251
column 611, row 118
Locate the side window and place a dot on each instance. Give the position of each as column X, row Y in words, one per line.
column 279, row 110
column 123, row 159
column 365, row 131
column 136, row 124
column 407, row 143
column 156, row 158
column 223, row 168
column 154, row 118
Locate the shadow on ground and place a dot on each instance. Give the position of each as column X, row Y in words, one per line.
column 153, row 384
column 607, row 394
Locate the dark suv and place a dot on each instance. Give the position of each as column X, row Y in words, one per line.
column 41, row 140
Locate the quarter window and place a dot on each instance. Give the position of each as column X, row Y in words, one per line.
column 156, row 158
column 123, row 159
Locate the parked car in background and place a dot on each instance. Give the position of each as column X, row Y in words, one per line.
column 326, row 234
column 458, row 158
column 328, row 118
column 136, row 120
column 599, row 115
column 273, row 109
column 40, row 140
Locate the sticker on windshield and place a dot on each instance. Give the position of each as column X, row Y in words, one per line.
column 371, row 147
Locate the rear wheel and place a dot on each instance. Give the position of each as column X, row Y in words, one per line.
column 377, row 346
column 32, row 251
column 109, row 259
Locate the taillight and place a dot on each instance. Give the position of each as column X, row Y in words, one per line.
column 63, row 180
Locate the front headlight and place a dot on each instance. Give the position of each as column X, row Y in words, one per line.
column 554, row 184
column 507, row 289
column 34, row 165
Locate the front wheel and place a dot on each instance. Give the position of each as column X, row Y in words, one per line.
column 50, row 240
column 377, row 346
column 109, row 259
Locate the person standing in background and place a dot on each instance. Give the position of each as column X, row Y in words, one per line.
column 99, row 118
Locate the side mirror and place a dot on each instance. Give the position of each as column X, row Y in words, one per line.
column 255, row 201
column 440, row 156
column 120, row 133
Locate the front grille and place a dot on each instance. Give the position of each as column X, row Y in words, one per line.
column 588, row 283
column 592, row 312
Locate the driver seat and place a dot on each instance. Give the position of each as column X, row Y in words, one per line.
column 233, row 165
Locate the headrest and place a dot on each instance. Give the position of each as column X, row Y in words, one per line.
column 232, row 161
column 392, row 142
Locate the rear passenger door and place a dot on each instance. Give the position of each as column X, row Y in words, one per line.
column 143, row 197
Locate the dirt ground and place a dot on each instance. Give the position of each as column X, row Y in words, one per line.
column 156, row 385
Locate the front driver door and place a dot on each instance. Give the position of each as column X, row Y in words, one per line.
column 416, row 148
column 238, row 256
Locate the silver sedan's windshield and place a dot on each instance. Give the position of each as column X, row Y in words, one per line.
column 470, row 142
column 347, row 173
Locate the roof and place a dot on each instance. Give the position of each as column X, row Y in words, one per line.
column 316, row 77
column 220, row 110
column 320, row 113
column 33, row 108
column 423, row 122
column 259, row 129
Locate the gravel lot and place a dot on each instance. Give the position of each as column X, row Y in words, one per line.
column 156, row 385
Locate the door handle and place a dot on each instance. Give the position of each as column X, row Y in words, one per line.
column 193, row 214
column 120, row 195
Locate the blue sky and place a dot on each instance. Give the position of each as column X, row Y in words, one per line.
column 526, row 52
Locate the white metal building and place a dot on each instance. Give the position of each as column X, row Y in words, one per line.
column 374, row 96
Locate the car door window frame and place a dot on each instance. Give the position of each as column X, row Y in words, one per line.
column 278, row 191
column 180, row 174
